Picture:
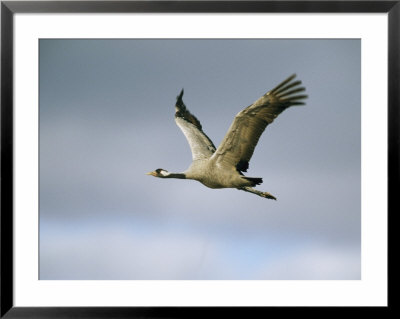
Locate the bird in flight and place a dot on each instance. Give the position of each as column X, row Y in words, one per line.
column 223, row 167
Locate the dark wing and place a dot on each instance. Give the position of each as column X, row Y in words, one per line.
column 201, row 146
column 238, row 145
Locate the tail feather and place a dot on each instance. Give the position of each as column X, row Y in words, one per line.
column 254, row 180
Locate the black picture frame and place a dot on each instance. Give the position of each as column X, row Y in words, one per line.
column 9, row 8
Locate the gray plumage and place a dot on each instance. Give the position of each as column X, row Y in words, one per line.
column 223, row 167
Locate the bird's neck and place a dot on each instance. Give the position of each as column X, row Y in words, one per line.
column 176, row 175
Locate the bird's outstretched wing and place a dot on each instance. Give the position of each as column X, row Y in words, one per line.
column 238, row 145
column 200, row 144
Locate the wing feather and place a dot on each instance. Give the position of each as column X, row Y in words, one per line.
column 237, row 147
column 200, row 144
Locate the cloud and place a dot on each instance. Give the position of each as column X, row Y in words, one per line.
column 139, row 251
column 316, row 262
column 104, row 252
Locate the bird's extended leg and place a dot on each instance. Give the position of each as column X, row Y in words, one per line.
column 257, row 192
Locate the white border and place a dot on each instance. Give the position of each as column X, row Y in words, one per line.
column 370, row 291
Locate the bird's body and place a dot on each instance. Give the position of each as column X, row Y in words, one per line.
column 213, row 175
column 223, row 167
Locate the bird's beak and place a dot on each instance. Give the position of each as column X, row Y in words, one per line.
column 151, row 173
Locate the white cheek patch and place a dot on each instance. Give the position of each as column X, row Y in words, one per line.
column 164, row 173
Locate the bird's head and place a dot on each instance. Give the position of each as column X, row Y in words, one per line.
column 159, row 172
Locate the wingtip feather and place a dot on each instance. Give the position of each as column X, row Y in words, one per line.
column 179, row 97
column 286, row 91
column 290, row 78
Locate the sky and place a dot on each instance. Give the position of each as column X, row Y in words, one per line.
column 107, row 118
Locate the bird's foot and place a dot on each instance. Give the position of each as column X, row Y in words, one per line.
column 267, row 195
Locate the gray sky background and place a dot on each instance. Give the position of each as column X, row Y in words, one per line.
column 107, row 118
